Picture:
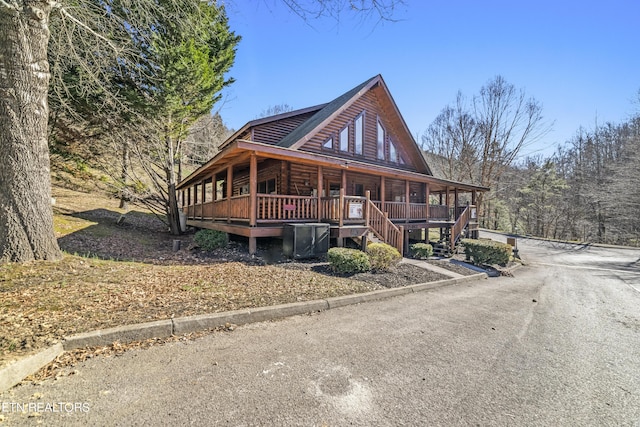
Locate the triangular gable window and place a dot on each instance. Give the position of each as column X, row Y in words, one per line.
column 328, row 144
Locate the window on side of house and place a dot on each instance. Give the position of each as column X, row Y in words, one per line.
column 344, row 139
column 381, row 138
column 328, row 144
column 359, row 134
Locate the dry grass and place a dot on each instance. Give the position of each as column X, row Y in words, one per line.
column 40, row 302
column 115, row 275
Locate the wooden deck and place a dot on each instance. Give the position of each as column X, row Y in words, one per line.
column 348, row 216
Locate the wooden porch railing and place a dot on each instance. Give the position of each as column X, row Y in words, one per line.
column 275, row 207
column 343, row 209
column 418, row 211
column 239, row 207
column 220, row 208
column 440, row 212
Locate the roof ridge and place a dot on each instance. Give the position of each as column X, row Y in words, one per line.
column 328, row 109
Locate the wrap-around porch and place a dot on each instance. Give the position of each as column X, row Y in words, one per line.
column 253, row 196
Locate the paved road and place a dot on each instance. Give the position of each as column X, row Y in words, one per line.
column 559, row 344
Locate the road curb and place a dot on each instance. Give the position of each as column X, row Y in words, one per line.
column 127, row 333
column 201, row 322
column 18, row 370
column 420, row 287
column 335, row 302
column 15, row 372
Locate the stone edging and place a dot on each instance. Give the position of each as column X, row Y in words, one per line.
column 15, row 372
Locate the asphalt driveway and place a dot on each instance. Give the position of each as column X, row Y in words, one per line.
column 559, row 344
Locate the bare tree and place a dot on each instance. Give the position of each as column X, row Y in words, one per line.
column 454, row 138
column 381, row 10
column 480, row 141
column 508, row 121
column 273, row 110
column 203, row 140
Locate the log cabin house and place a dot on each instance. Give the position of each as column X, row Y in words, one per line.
column 351, row 163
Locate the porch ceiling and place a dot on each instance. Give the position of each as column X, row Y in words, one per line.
column 239, row 152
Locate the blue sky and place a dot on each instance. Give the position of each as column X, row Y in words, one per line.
column 580, row 59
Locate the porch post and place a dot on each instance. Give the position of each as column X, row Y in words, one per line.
column 320, row 189
column 367, row 212
column 253, row 200
column 448, row 202
column 473, row 197
column 253, row 190
column 229, row 190
column 203, row 192
column 343, row 182
column 407, row 196
column 426, row 209
column 426, row 194
column 382, row 193
column 341, row 208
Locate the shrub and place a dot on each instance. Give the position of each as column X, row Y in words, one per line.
column 209, row 240
column 487, row 251
column 348, row 261
column 421, row 250
column 382, row 256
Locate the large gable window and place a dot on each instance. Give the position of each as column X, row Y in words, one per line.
column 381, row 138
column 393, row 153
column 344, row 139
column 359, row 134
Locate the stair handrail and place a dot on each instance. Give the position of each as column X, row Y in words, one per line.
column 382, row 227
column 459, row 225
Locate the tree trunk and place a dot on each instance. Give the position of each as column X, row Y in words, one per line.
column 172, row 207
column 26, row 217
column 124, row 172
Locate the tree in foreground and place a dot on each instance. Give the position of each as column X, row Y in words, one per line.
column 26, row 219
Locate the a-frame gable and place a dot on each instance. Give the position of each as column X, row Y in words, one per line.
column 350, row 127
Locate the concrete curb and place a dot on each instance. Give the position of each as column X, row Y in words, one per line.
column 18, row 370
column 15, row 372
column 127, row 333
column 201, row 322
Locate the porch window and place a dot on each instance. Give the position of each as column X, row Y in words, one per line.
column 344, row 139
column 208, row 190
column 267, row 187
column 381, row 138
column 221, row 189
column 359, row 134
